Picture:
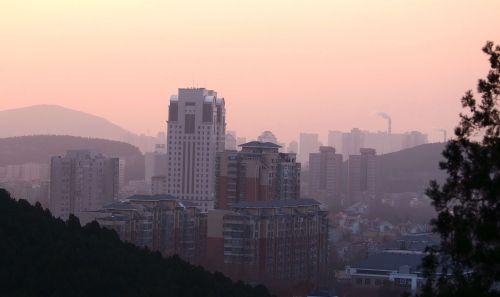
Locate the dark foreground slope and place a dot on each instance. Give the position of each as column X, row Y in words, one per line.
column 44, row 256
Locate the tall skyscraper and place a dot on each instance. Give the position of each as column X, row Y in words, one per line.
column 362, row 174
column 196, row 132
column 325, row 174
column 309, row 143
column 259, row 172
column 82, row 181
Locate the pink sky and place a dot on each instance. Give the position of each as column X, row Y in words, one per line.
column 282, row 65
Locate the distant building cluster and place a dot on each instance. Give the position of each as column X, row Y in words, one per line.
column 350, row 143
column 28, row 180
column 256, row 210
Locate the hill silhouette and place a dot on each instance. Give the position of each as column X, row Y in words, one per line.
column 44, row 256
column 410, row 170
column 39, row 149
column 58, row 120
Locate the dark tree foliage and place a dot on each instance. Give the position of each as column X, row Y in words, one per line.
column 44, row 256
column 467, row 263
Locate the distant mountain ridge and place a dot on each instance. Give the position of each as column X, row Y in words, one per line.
column 58, row 120
column 410, row 170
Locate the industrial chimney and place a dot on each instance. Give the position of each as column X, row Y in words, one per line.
column 389, row 123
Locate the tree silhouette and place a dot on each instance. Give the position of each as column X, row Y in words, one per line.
column 467, row 262
column 46, row 257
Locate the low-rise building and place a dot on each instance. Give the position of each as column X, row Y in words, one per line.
column 398, row 266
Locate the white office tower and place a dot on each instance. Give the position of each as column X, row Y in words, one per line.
column 82, row 181
column 325, row 174
column 196, row 132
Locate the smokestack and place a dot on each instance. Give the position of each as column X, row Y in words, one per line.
column 389, row 122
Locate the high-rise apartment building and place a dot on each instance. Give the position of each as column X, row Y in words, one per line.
column 325, row 175
column 196, row 132
column 82, row 180
column 280, row 242
column 259, row 172
column 308, row 143
column 362, row 174
column 335, row 140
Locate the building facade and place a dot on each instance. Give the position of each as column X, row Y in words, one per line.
column 155, row 163
column 159, row 185
column 362, row 174
column 278, row 243
column 259, row 172
column 160, row 222
column 325, row 175
column 82, row 180
column 196, row 132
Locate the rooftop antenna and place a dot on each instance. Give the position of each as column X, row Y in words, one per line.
column 444, row 134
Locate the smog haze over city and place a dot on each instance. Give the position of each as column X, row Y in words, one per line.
column 328, row 64
column 322, row 148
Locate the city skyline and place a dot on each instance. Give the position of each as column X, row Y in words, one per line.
column 82, row 57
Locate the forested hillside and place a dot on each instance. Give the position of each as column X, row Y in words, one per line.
column 43, row 256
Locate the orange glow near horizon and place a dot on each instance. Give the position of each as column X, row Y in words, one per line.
column 285, row 66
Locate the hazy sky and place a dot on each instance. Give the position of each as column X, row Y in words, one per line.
column 287, row 66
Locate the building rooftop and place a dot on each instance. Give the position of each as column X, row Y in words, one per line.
column 151, row 197
column 276, row 203
column 119, row 206
column 322, row 293
column 258, row 144
column 413, row 242
column 390, row 262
